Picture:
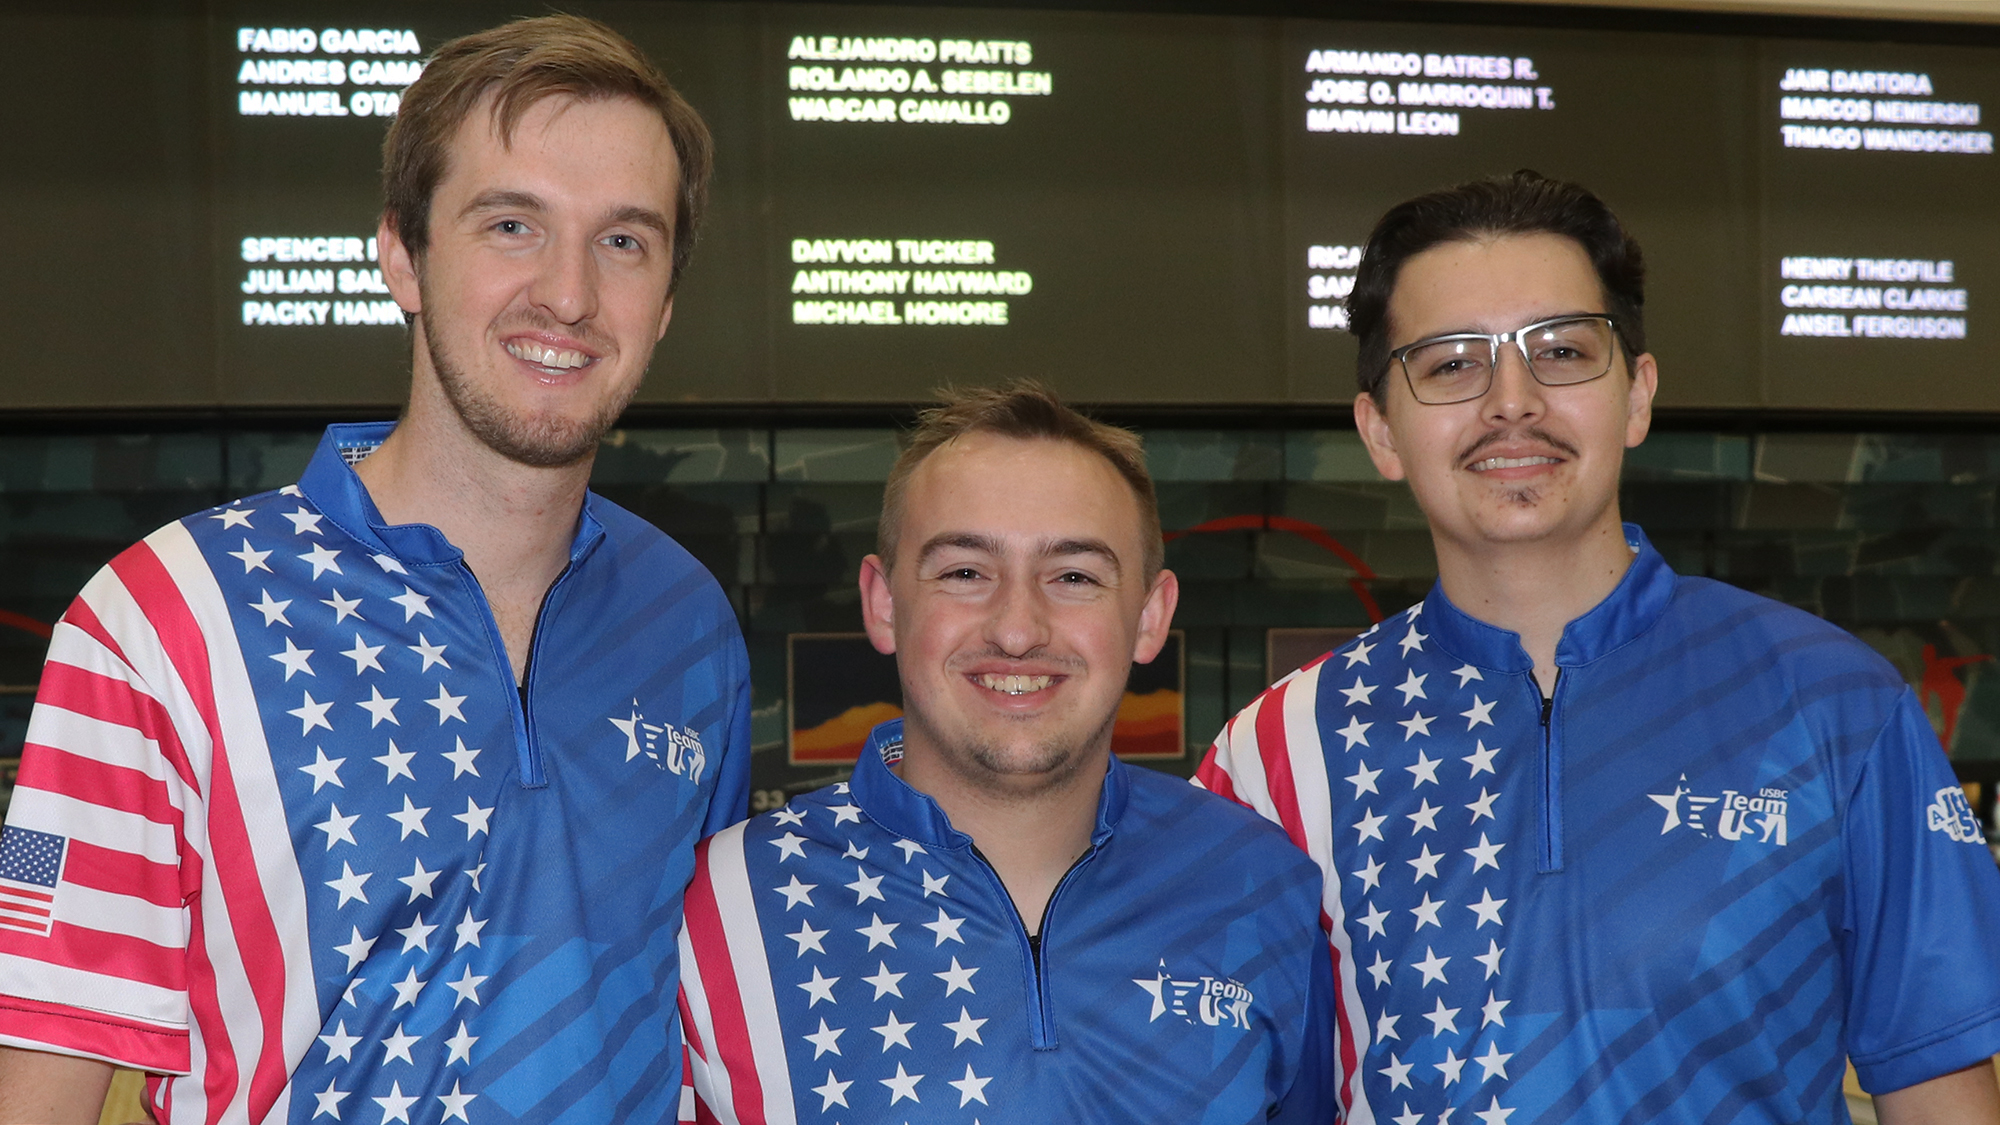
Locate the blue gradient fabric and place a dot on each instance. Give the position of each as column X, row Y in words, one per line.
column 321, row 859
column 852, row 957
column 1726, row 855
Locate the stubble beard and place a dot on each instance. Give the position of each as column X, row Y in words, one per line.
column 545, row 441
column 1012, row 771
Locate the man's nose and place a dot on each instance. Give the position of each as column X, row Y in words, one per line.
column 566, row 284
column 1514, row 393
column 1019, row 623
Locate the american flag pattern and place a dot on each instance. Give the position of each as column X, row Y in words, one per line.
column 30, row 868
column 1527, row 926
column 850, row 958
column 312, row 853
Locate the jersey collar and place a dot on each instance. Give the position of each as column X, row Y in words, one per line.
column 330, row 485
column 1631, row 608
column 890, row 802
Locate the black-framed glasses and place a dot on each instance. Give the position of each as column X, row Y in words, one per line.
column 1458, row 368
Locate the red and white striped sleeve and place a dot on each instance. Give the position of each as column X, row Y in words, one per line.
column 1271, row 758
column 96, row 868
column 738, row 1066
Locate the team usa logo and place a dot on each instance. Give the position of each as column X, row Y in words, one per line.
column 1952, row 815
column 668, row 747
column 1731, row 816
column 1215, row 1001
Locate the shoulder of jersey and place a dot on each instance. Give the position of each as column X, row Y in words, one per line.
column 1195, row 812
column 633, row 532
column 1808, row 646
column 211, row 517
column 811, row 815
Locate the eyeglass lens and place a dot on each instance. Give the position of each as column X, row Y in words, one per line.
column 1559, row 353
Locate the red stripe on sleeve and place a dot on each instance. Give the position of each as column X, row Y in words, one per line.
column 1212, row 777
column 101, row 952
column 110, row 700
column 1343, row 1027
column 689, row 1030
column 135, row 1045
column 253, row 930
column 1272, row 747
column 122, row 873
column 731, row 1051
column 87, row 779
column 85, row 618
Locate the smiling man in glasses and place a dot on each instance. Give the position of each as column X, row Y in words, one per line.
column 1602, row 842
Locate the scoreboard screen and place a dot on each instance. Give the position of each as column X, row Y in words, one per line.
column 1140, row 208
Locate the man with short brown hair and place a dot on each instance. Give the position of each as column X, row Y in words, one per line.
column 1034, row 931
column 375, row 797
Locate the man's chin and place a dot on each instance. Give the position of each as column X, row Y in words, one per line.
column 543, row 439
column 1017, row 762
column 541, row 443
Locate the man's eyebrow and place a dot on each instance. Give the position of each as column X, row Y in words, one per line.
column 504, row 201
column 1046, row 549
column 643, row 217
column 962, row 540
column 528, row 201
column 1057, row 548
column 1473, row 330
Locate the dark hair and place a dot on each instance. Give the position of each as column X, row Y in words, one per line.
column 1029, row 411
column 1524, row 203
column 521, row 63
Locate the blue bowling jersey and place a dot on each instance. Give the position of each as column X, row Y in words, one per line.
column 297, row 844
column 852, row 957
column 1722, row 858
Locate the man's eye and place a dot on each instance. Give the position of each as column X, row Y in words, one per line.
column 960, row 574
column 1075, row 578
column 511, row 226
column 622, row 242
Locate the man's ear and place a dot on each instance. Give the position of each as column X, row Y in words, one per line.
column 666, row 315
column 399, row 267
column 1639, row 408
column 1156, row 619
column 1373, row 425
column 878, row 608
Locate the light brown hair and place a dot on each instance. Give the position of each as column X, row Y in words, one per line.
column 520, row 64
column 1028, row 411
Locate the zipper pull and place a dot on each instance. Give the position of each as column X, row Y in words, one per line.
column 1548, row 706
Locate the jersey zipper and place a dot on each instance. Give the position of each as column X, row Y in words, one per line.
column 527, row 752
column 1041, row 1016
column 1550, row 856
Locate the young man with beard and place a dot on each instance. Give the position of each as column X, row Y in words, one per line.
column 376, row 796
column 995, row 918
column 1603, row 843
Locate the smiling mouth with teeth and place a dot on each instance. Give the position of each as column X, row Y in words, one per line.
column 1014, row 685
column 552, row 359
column 1511, row 463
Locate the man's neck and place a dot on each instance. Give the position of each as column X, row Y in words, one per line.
column 1537, row 588
column 514, row 522
column 1030, row 839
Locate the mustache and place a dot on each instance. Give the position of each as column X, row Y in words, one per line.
column 1064, row 663
column 1530, row 433
column 584, row 331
